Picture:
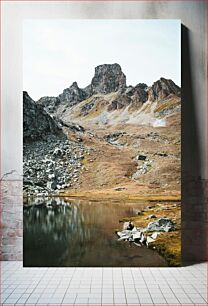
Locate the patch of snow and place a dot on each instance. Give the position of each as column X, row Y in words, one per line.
column 159, row 123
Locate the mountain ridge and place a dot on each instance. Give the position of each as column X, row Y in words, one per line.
column 108, row 126
column 109, row 78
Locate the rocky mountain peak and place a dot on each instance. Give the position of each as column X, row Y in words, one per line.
column 73, row 94
column 74, row 85
column 37, row 123
column 108, row 78
column 162, row 89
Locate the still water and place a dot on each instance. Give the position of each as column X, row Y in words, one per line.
column 81, row 233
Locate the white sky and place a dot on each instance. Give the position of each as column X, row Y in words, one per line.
column 58, row 52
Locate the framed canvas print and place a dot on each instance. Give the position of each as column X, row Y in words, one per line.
column 102, row 142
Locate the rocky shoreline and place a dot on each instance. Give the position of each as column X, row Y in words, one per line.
column 158, row 232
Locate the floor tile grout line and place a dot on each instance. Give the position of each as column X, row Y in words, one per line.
column 69, row 285
column 146, row 286
column 119, row 274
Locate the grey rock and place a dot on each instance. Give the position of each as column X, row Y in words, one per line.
column 138, row 93
column 114, row 137
column 49, row 103
column 37, row 123
column 161, row 225
column 52, row 167
column 72, row 95
column 51, row 176
column 108, row 78
column 52, row 185
column 57, row 152
column 163, row 88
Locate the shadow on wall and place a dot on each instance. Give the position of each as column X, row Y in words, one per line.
column 194, row 208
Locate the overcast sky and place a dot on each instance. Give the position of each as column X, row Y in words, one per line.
column 58, row 52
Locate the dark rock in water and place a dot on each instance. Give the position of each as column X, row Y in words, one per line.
column 161, row 225
column 54, row 202
column 41, row 204
column 162, row 89
column 108, row 78
column 37, row 123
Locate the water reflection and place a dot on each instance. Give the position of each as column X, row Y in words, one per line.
column 62, row 232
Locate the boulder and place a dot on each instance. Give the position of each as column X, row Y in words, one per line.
column 141, row 157
column 161, row 225
column 52, row 185
column 57, row 152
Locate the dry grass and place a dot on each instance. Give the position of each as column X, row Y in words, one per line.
column 167, row 104
column 112, row 194
column 108, row 166
column 169, row 246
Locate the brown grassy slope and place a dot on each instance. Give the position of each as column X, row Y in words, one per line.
column 109, row 167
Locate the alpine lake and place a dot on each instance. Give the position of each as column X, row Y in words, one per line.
column 72, row 232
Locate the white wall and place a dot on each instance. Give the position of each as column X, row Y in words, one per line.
column 192, row 15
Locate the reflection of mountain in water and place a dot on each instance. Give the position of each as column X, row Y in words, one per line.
column 56, row 228
column 80, row 233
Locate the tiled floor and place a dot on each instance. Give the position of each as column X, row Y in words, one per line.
column 103, row 286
